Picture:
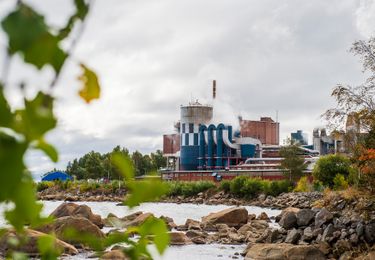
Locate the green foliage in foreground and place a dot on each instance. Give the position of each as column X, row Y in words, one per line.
column 245, row 187
column 327, row 167
column 36, row 43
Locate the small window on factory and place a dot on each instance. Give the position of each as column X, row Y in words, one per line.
column 183, row 128
column 191, row 128
column 186, row 139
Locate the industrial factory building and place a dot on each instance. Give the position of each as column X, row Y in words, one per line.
column 201, row 144
column 201, row 148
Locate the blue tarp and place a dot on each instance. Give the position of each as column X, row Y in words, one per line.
column 53, row 176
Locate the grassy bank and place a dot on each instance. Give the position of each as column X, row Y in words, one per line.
column 239, row 187
column 81, row 186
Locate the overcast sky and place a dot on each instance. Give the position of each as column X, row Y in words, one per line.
column 152, row 56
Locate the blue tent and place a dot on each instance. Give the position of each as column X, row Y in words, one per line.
column 57, row 175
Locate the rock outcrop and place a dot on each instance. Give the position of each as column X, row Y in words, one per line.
column 179, row 238
column 284, row 252
column 233, row 217
column 80, row 225
column 31, row 246
column 75, row 210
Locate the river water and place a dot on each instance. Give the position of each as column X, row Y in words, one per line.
column 179, row 213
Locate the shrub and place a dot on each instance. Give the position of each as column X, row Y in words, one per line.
column 327, row 167
column 252, row 187
column 237, row 184
column 339, row 182
column 278, row 187
column 43, row 185
column 225, row 186
column 188, row 189
column 318, row 186
column 303, row 185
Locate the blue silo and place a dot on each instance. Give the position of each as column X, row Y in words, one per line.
column 192, row 116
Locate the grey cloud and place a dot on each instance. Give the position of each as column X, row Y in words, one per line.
column 152, row 56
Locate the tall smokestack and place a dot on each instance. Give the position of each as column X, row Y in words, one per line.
column 214, row 89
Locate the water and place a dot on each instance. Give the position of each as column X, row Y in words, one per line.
column 179, row 213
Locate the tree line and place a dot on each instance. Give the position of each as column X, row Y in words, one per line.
column 94, row 165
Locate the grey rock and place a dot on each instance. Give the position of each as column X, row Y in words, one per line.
column 322, row 217
column 293, row 236
column 308, row 234
column 370, row 233
column 360, row 229
column 317, row 231
column 328, row 232
column 305, row 217
column 288, row 220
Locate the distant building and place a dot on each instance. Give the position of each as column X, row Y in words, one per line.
column 328, row 144
column 266, row 130
column 171, row 144
column 56, row 175
column 299, row 137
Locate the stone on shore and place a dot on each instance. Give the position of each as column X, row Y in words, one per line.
column 179, row 238
column 233, row 217
column 284, row 251
column 79, row 224
column 31, row 246
column 75, row 210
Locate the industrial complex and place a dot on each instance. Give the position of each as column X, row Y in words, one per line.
column 201, row 149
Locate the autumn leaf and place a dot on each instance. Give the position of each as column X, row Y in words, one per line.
column 90, row 85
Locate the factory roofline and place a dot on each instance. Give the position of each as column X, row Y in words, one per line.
column 196, row 104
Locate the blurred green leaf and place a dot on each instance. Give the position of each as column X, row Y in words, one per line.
column 158, row 229
column 144, row 191
column 19, row 256
column 47, row 247
column 82, row 9
column 26, row 210
column 90, row 85
column 36, row 118
column 139, row 191
column 6, row 115
column 12, row 166
column 48, row 149
column 124, row 165
column 29, row 35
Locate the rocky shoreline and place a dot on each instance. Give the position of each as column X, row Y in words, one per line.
column 284, row 200
column 336, row 226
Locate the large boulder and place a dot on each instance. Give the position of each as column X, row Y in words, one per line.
column 323, row 217
column 31, row 247
column 305, row 217
column 179, row 238
column 72, row 209
column 139, row 220
column 284, row 211
column 79, row 224
column 288, row 220
column 284, row 252
column 233, row 217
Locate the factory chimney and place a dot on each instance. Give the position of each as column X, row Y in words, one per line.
column 214, row 89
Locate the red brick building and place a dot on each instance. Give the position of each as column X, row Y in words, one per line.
column 171, row 144
column 266, row 130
